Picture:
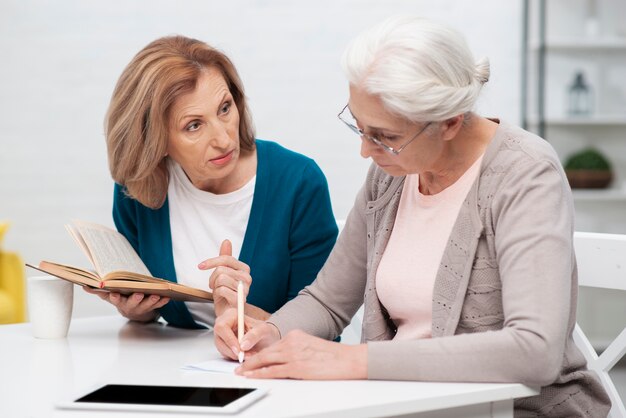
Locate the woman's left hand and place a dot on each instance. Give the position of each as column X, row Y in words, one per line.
column 302, row 356
column 227, row 274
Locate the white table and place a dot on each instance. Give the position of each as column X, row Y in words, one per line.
column 35, row 373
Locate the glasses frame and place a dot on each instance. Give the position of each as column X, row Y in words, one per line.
column 376, row 141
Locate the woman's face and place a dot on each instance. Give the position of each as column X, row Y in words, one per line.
column 374, row 120
column 204, row 133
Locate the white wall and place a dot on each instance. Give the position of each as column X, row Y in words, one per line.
column 59, row 62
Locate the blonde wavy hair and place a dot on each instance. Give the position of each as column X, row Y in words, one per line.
column 137, row 121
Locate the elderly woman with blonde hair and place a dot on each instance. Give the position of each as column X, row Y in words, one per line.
column 459, row 244
column 193, row 182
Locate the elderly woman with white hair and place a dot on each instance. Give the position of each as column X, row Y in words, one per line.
column 459, row 244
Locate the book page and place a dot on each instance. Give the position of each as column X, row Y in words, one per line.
column 108, row 249
column 81, row 242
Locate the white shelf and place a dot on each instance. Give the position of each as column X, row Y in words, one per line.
column 607, row 120
column 583, row 44
column 599, row 195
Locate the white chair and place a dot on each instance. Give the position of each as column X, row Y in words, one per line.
column 602, row 264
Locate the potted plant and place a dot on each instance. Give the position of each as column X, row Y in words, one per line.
column 588, row 169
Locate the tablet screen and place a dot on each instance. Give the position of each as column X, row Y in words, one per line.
column 165, row 395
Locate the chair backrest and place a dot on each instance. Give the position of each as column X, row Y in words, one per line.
column 601, row 262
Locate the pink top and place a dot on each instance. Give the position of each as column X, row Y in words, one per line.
column 406, row 273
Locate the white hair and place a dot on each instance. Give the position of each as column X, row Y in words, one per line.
column 421, row 70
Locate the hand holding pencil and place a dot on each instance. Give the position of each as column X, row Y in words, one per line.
column 238, row 335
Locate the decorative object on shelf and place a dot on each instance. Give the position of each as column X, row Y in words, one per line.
column 579, row 100
column 592, row 26
column 588, row 169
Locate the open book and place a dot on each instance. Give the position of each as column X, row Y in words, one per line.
column 118, row 268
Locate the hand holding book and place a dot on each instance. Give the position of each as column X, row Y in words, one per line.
column 118, row 268
column 136, row 306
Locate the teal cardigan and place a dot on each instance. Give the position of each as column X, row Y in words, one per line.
column 290, row 232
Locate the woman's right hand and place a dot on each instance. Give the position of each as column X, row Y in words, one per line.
column 258, row 335
column 136, row 307
column 228, row 272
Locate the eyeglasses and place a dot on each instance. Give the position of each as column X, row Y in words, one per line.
column 374, row 140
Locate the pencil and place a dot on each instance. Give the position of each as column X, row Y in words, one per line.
column 240, row 324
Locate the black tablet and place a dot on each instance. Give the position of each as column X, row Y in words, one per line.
column 185, row 399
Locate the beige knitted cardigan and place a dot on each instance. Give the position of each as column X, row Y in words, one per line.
column 504, row 299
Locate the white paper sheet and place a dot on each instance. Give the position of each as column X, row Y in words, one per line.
column 215, row 365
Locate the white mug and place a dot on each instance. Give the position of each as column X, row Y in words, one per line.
column 50, row 302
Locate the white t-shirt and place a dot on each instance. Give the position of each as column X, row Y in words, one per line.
column 199, row 222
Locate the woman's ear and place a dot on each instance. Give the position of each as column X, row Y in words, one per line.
column 450, row 127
